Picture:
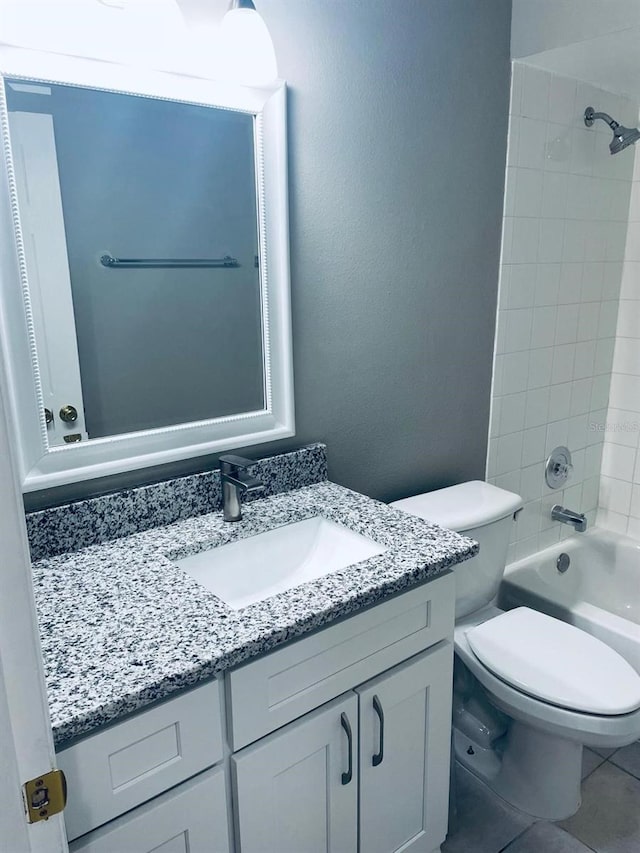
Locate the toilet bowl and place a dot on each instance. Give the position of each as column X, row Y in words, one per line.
column 529, row 691
column 539, row 752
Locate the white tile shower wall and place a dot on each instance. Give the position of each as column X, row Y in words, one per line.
column 619, row 504
column 565, row 224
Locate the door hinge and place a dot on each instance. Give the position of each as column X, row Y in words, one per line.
column 45, row 795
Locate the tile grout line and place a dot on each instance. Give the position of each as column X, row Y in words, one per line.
column 604, row 761
column 505, row 849
column 617, row 767
column 553, row 823
column 514, row 842
column 593, row 770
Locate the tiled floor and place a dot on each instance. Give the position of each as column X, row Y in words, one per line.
column 608, row 820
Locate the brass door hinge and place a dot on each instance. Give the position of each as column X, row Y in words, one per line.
column 45, row 795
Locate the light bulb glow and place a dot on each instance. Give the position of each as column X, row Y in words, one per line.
column 248, row 56
column 143, row 33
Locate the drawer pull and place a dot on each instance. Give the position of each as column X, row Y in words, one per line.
column 378, row 756
column 344, row 720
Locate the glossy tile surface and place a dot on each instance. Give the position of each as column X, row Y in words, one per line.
column 609, row 819
column 544, row 837
column 590, row 761
column 628, row 758
column 483, row 823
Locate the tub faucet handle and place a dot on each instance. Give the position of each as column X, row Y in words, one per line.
column 558, row 467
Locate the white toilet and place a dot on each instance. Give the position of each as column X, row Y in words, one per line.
column 529, row 690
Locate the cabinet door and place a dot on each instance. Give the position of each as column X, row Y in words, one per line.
column 191, row 818
column 405, row 724
column 293, row 788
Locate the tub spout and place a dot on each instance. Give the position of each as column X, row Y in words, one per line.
column 568, row 516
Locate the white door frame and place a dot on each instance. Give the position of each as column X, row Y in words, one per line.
column 26, row 742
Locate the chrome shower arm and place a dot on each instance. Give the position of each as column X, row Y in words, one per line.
column 590, row 116
column 623, row 137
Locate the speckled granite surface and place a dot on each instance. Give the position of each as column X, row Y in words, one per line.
column 92, row 522
column 122, row 626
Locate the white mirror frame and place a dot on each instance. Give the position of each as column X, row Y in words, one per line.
column 41, row 465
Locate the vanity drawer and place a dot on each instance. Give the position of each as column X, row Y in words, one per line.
column 273, row 690
column 191, row 818
column 124, row 765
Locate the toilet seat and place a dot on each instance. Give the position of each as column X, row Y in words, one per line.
column 556, row 662
column 597, row 730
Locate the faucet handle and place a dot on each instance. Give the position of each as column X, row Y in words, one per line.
column 229, row 461
column 558, row 467
column 235, row 480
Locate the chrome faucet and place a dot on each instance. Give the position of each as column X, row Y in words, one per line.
column 234, row 481
column 568, row 516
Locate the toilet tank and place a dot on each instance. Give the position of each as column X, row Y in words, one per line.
column 484, row 513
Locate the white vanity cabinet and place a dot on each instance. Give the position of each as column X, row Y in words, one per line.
column 270, row 691
column 368, row 771
column 333, row 743
column 390, row 668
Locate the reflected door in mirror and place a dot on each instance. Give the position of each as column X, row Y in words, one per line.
column 138, row 347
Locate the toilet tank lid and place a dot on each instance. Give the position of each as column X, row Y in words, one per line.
column 462, row 507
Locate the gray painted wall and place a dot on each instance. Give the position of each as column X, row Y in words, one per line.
column 144, row 178
column 397, row 138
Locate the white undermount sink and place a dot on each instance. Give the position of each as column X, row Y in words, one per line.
column 260, row 566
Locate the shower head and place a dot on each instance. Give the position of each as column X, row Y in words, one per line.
column 622, row 136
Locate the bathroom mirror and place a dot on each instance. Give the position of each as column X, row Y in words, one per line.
column 145, row 284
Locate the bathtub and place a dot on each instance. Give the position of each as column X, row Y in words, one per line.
column 599, row 592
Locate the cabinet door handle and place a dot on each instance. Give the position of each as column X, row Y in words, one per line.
column 344, row 720
column 378, row 756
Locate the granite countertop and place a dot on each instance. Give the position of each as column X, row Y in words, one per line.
column 122, row 626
